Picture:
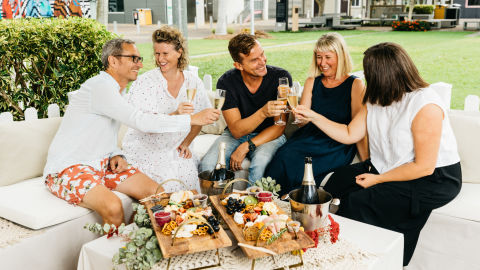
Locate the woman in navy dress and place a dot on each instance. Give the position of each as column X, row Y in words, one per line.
column 329, row 91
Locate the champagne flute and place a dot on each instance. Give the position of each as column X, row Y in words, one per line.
column 293, row 100
column 282, row 96
column 191, row 92
column 283, row 84
column 218, row 101
column 219, row 98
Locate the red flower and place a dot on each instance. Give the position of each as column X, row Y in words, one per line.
column 334, row 230
column 112, row 232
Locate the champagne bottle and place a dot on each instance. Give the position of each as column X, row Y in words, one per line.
column 309, row 193
column 219, row 173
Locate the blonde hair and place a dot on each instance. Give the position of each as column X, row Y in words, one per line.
column 332, row 42
column 171, row 35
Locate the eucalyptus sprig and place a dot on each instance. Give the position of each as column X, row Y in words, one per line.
column 268, row 184
column 141, row 217
column 141, row 252
column 108, row 229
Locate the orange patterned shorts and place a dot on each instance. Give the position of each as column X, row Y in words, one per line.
column 75, row 181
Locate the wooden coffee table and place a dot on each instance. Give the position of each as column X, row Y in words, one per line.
column 387, row 246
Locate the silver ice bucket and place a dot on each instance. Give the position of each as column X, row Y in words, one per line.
column 214, row 187
column 312, row 216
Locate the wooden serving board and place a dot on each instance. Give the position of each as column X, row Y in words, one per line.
column 186, row 245
column 285, row 244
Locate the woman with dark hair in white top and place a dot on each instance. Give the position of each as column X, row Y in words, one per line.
column 414, row 166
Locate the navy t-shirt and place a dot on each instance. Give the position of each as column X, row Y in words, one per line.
column 238, row 95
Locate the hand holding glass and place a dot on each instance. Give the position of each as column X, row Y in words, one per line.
column 283, row 88
column 293, row 99
column 218, row 101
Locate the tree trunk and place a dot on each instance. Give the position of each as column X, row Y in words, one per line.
column 321, row 6
column 102, row 12
column 410, row 9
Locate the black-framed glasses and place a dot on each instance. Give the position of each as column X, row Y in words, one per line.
column 135, row 59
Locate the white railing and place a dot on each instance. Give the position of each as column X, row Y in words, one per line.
column 472, row 102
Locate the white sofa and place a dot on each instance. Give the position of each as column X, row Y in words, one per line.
column 25, row 201
column 451, row 235
column 447, row 241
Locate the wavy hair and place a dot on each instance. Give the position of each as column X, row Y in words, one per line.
column 171, row 35
column 241, row 43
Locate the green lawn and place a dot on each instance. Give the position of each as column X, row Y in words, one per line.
column 440, row 56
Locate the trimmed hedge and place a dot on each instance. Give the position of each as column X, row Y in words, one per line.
column 44, row 59
column 410, row 26
column 422, row 9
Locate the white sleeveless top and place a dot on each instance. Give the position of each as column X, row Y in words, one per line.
column 390, row 136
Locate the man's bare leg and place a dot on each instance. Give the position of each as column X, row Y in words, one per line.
column 105, row 203
column 109, row 206
column 138, row 186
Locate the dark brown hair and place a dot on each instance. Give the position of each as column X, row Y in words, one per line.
column 171, row 35
column 390, row 73
column 241, row 43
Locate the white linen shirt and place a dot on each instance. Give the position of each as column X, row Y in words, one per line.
column 88, row 132
column 390, row 131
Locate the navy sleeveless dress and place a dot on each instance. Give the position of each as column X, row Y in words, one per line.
column 287, row 165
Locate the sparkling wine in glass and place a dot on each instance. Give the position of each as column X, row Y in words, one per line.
column 191, row 94
column 218, row 101
column 219, row 98
column 293, row 99
column 282, row 93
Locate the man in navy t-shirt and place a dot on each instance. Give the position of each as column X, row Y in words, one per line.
column 250, row 109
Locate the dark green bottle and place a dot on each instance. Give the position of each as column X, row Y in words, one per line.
column 309, row 193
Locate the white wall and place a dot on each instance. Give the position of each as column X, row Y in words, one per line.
column 234, row 8
column 329, row 6
column 356, row 12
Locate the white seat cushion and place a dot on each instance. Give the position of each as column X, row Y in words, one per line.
column 202, row 143
column 465, row 206
column 31, row 204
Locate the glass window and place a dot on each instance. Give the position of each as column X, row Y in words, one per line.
column 356, row 3
column 115, row 6
column 473, row 2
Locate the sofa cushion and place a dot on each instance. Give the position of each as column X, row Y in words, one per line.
column 26, row 143
column 465, row 206
column 30, row 203
column 202, row 143
column 466, row 126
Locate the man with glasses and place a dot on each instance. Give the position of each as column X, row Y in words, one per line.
column 84, row 163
